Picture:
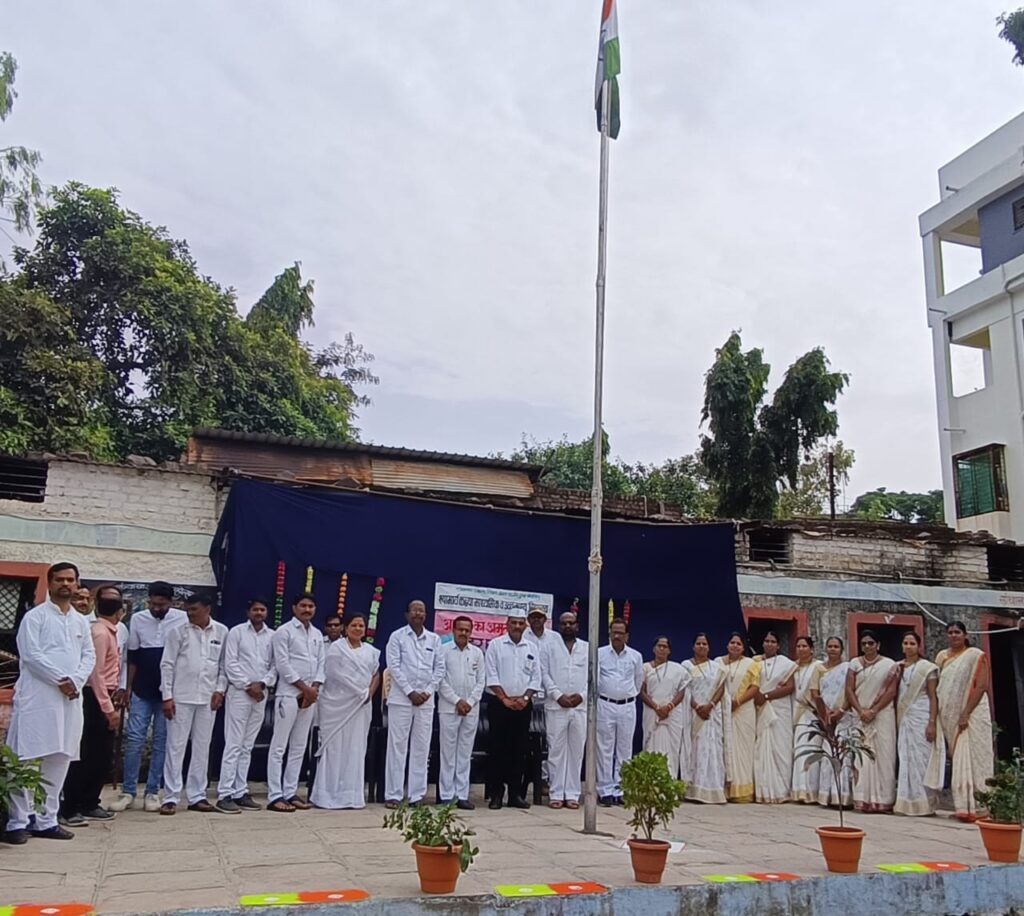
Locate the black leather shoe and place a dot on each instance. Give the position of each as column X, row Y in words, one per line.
column 16, row 837
column 606, row 801
column 494, row 804
column 54, row 833
column 464, row 805
column 518, row 802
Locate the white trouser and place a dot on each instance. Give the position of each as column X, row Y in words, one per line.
column 567, row 734
column 291, row 731
column 408, row 737
column 243, row 717
column 457, row 734
column 54, row 768
column 615, row 726
column 195, row 721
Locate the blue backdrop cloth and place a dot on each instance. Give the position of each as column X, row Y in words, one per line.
column 679, row 579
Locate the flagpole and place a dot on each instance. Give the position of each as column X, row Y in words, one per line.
column 597, row 492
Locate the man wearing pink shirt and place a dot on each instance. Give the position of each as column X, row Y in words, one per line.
column 81, row 802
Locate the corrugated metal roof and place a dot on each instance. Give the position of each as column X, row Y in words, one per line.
column 443, row 477
column 411, row 454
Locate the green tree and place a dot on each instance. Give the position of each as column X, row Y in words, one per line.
column 915, row 508
column 753, row 449
column 1011, row 30
column 679, row 482
column 809, row 498
column 161, row 348
column 20, row 188
column 570, row 465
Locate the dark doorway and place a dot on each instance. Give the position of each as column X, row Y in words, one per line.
column 890, row 637
column 758, row 627
column 1006, row 654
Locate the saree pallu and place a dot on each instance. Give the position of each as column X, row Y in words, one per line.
column 805, row 771
column 665, row 736
column 922, row 762
column 773, row 745
column 709, row 739
column 833, row 695
column 741, row 675
column 874, row 789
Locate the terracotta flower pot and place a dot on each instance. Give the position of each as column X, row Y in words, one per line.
column 438, row 868
column 841, row 848
column 649, row 857
column 1002, row 841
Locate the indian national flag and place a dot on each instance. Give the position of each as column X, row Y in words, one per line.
column 608, row 67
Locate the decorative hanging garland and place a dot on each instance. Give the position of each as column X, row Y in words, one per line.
column 279, row 594
column 611, row 612
column 627, row 609
column 342, row 590
column 378, row 597
column 309, row 579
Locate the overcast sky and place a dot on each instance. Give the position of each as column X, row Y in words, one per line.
column 434, row 167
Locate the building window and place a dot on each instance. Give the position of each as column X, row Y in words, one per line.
column 1018, row 214
column 769, row 545
column 1005, row 563
column 980, row 479
column 22, row 479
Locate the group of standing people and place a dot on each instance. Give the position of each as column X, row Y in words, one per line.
column 737, row 728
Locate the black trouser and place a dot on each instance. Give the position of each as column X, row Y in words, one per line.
column 509, row 747
column 87, row 775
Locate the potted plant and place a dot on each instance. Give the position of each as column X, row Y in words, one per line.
column 17, row 776
column 441, row 841
column 652, row 794
column 841, row 750
column 1004, row 799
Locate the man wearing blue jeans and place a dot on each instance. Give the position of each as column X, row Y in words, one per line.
column 148, row 630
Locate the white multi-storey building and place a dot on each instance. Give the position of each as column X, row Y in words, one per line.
column 978, row 333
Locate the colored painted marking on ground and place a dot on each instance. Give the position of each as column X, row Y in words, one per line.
column 579, row 887
column 730, row 879
column 774, row 876
column 342, row 895
column 905, row 868
column 48, row 909
column 268, row 899
column 946, row 866
column 524, row 890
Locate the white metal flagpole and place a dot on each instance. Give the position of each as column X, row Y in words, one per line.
column 594, row 612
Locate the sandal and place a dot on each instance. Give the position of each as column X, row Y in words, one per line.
column 555, row 805
column 573, row 805
column 280, row 805
column 297, row 802
column 168, row 808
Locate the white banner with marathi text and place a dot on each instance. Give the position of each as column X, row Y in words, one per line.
column 488, row 608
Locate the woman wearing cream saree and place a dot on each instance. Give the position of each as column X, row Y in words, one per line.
column 870, row 689
column 742, row 678
column 773, row 745
column 965, row 718
column 807, row 706
column 922, row 757
column 708, row 729
column 833, row 697
column 662, row 695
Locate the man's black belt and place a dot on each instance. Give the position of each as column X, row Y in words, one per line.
column 619, row 702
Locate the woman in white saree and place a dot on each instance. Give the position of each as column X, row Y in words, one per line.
column 662, row 695
column 807, row 706
column 707, row 766
column 922, row 758
column 350, row 681
column 743, row 675
column 773, row 746
column 870, row 690
column 833, row 696
column 965, row 718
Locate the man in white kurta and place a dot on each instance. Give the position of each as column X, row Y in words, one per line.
column 416, row 664
column 564, row 666
column 620, row 675
column 249, row 666
column 299, row 659
column 192, row 683
column 458, row 712
column 57, row 656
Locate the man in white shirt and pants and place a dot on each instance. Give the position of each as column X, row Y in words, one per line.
column 564, row 676
column 249, row 665
column 299, row 659
column 416, row 663
column 458, row 712
column 192, row 683
column 538, row 633
column 620, row 674
column 513, row 677
column 57, row 656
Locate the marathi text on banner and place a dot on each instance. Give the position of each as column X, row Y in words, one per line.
column 486, row 607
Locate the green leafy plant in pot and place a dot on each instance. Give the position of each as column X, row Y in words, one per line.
column 652, row 794
column 18, row 776
column 837, row 752
column 1004, row 799
column 441, row 841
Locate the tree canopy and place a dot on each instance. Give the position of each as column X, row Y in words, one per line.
column 754, row 449
column 916, row 508
column 809, row 498
column 20, row 188
column 1011, row 30
column 114, row 343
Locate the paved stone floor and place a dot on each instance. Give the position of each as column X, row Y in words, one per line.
column 143, row 862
